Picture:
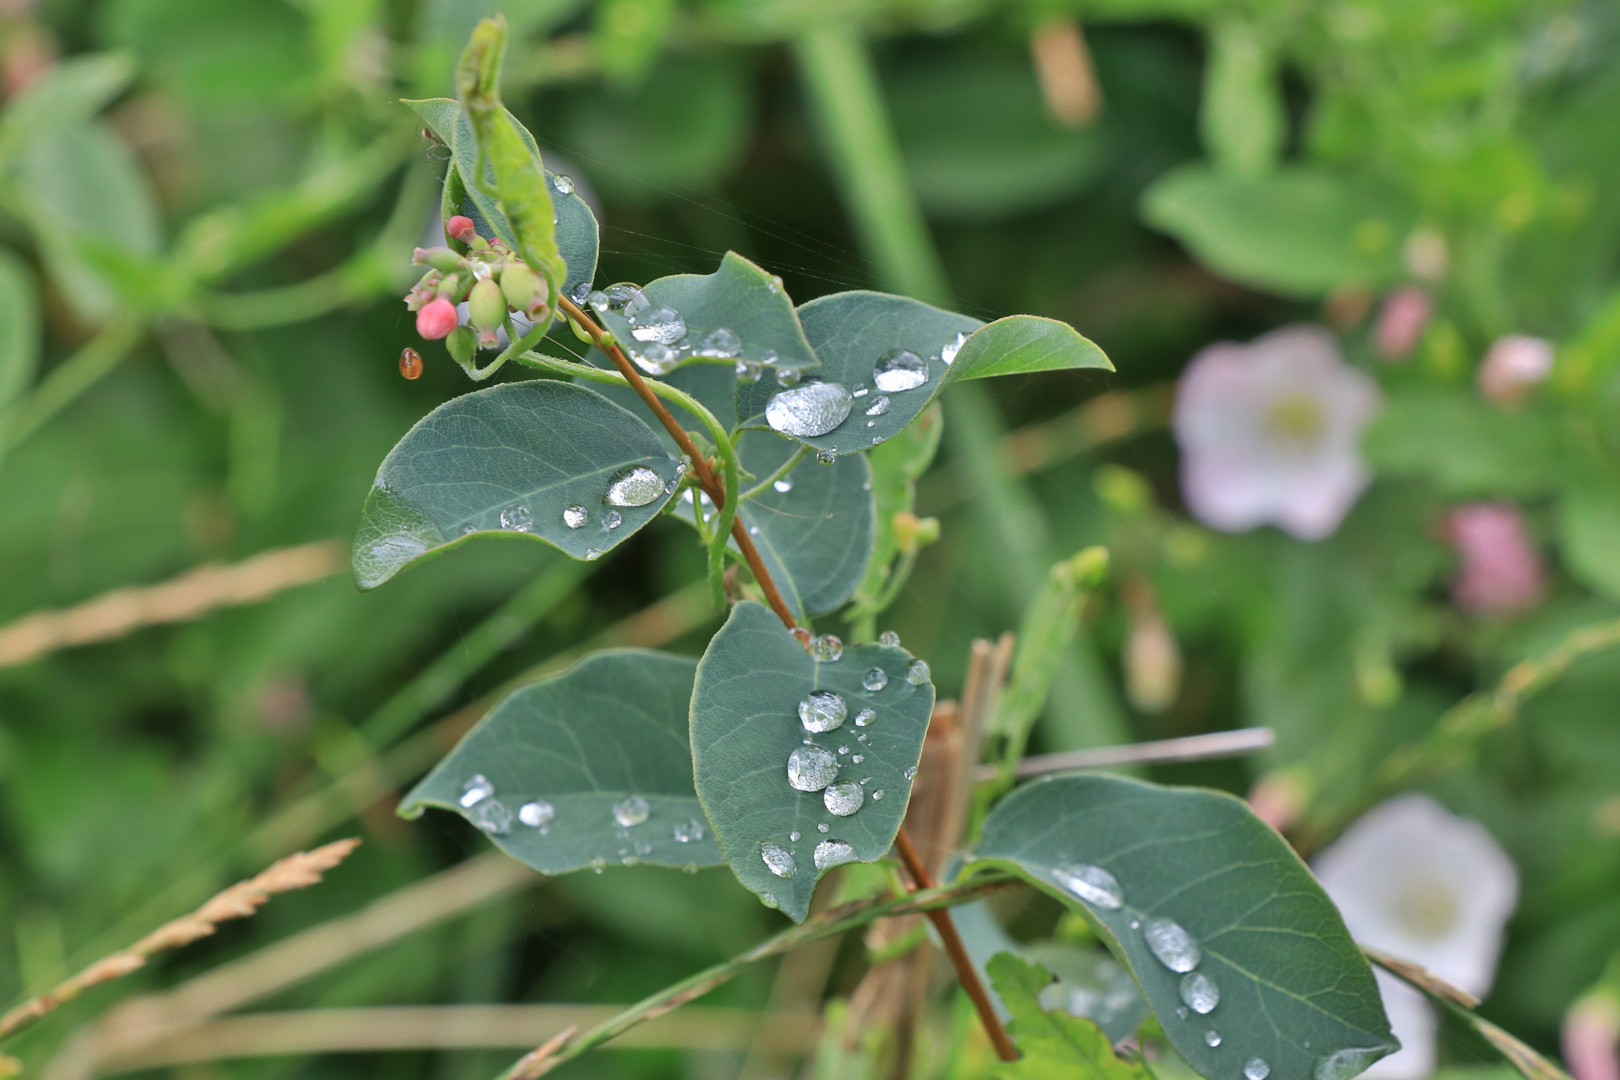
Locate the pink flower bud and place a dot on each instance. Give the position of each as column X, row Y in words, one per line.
column 1591, row 1036
column 1512, row 367
column 436, row 319
column 1501, row 570
column 460, row 228
column 1401, row 321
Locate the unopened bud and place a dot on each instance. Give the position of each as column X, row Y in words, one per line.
column 1401, row 321
column 1124, row 491
column 453, row 287
column 525, row 290
column 462, row 343
column 486, row 308
column 912, row 532
column 436, row 319
column 1513, row 367
column 460, row 228
column 440, row 258
column 1090, row 567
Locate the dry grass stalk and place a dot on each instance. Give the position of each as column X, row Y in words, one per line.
column 192, row 594
column 239, row 901
column 538, row 1062
column 1068, row 79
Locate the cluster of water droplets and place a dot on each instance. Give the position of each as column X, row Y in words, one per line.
column 633, row 485
column 661, row 339
column 814, row 768
column 494, row 816
column 819, row 408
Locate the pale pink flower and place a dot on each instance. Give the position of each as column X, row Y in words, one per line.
column 1270, row 433
column 1401, row 321
column 1501, row 570
column 1421, row 884
column 1513, row 366
column 1591, row 1036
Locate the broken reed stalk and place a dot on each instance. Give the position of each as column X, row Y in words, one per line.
column 297, row 871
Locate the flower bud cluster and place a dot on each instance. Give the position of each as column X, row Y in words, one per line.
column 490, row 278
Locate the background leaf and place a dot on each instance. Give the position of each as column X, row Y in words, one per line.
column 745, row 724
column 1466, row 446
column 65, row 95
column 739, row 297
column 526, row 450
column 1589, row 526
column 19, row 327
column 612, row 728
column 1054, row 1044
column 1298, row 231
column 1293, row 988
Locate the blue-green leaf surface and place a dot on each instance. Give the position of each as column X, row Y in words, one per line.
column 577, row 232
column 853, row 332
column 746, row 723
column 1293, row 988
column 518, row 454
column 739, row 297
column 579, row 751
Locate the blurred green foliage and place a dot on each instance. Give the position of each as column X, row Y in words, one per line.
column 243, row 209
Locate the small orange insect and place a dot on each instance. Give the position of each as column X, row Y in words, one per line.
column 410, row 364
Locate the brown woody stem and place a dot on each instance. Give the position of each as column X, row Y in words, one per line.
column 706, row 478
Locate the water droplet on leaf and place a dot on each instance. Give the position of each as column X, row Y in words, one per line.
column 917, row 672
column 899, row 369
column 475, row 789
column 831, row 853
column 1200, row 992
column 1174, row 947
column 875, row 679
column 631, row 811
column 656, row 358
column 663, row 325
column 952, row 347
column 1344, row 1064
column 810, row 410
column 865, row 717
column 811, row 768
column 1092, row 884
column 492, row 817
column 783, row 485
column 612, row 519
column 889, row 638
column 779, row 860
column 537, row 814
column 687, row 832
column 879, row 406
column 878, row 794
column 822, row 711
column 1212, row 1037
column 1256, row 1069
column 575, row 516
column 826, row 457
column 843, row 798
column 827, row 648
column 563, row 184
column 722, row 344
column 636, row 485
column 517, row 518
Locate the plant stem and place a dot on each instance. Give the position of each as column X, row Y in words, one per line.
column 956, row 951
column 706, row 478
column 787, row 466
column 829, row 923
column 73, row 377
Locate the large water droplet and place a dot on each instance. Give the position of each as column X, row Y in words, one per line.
column 952, row 347
column 865, row 717
column 661, row 324
column 1343, row 1064
column 809, row 410
column 1092, row 884
column 722, row 344
column 1200, row 992
column 833, row 853
column 899, row 369
column 517, row 518
column 843, row 798
column 783, row 485
column 878, row 407
column 827, row 648
column 779, row 860
column 599, row 301
column 631, row 811
column 687, row 832
column 475, row 789
column 635, row 485
column 493, row 817
column 563, row 184
column 619, row 296
column 1256, row 1069
column 811, row 768
column 1212, row 1038
column 1174, row 947
column 889, row 638
column 575, row 516
column 875, row 679
column 656, row 358
column 612, row 519
column 537, row 814
column 917, row 672
column 911, row 772
column 581, row 293
column 822, row 711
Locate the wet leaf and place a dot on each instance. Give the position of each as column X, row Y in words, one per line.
column 511, row 460
column 745, row 725
column 1293, row 989
column 861, row 337
column 567, row 758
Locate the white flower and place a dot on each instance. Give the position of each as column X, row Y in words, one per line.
column 1419, row 883
column 1270, row 432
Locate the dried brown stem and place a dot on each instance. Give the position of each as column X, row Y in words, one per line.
column 706, row 478
column 237, row 902
column 954, row 948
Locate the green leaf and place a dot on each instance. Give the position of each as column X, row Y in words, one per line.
column 578, row 236
column 739, row 297
column 746, row 723
column 1464, row 445
column 853, row 332
column 897, row 465
column 816, row 537
column 82, row 188
column 1589, row 528
column 67, row 95
column 1242, row 114
column 19, row 327
column 525, row 450
column 1294, row 990
column 588, row 744
column 1297, row 231
column 1055, row 1045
